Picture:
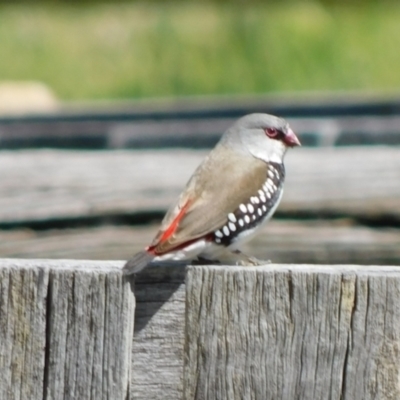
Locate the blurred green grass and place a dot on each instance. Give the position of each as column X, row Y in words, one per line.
column 145, row 50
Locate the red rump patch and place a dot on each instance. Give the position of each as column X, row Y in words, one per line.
column 174, row 224
column 171, row 229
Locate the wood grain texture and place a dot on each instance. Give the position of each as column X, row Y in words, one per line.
column 66, row 331
column 23, row 294
column 273, row 332
column 157, row 350
column 48, row 185
column 282, row 241
column 292, row 332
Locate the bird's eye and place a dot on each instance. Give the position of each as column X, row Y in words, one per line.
column 271, row 132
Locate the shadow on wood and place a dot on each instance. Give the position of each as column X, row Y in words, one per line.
column 153, row 288
column 158, row 343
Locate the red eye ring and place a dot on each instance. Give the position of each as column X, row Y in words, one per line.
column 271, row 132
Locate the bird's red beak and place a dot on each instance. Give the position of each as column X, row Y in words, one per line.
column 291, row 139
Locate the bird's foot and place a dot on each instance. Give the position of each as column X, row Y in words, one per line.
column 204, row 261
column 235, row 257
column 252, row 261
column 245, row 260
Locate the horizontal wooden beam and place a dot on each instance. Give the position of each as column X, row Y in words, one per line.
column 282, row 241
column 56, row 186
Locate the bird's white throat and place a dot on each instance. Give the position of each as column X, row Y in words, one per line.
column 272, row 153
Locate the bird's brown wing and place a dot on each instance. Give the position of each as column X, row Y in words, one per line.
column 216, row 189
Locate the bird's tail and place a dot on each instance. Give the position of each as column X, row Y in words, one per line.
column 139, row 261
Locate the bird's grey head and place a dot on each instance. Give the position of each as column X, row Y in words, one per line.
column 264, row 136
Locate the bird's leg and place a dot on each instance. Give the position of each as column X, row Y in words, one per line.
column 204, row 261
column 235, row 257
column 246, row 260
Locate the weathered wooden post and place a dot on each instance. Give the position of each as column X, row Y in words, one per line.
column 272, row 332
column 65, row 330
column 292, row 332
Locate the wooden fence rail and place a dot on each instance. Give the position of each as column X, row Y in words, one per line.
column 205, row 332
column 340, row 205
column 60, row 185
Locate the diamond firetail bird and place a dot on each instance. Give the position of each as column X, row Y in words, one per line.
column 233, row 192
